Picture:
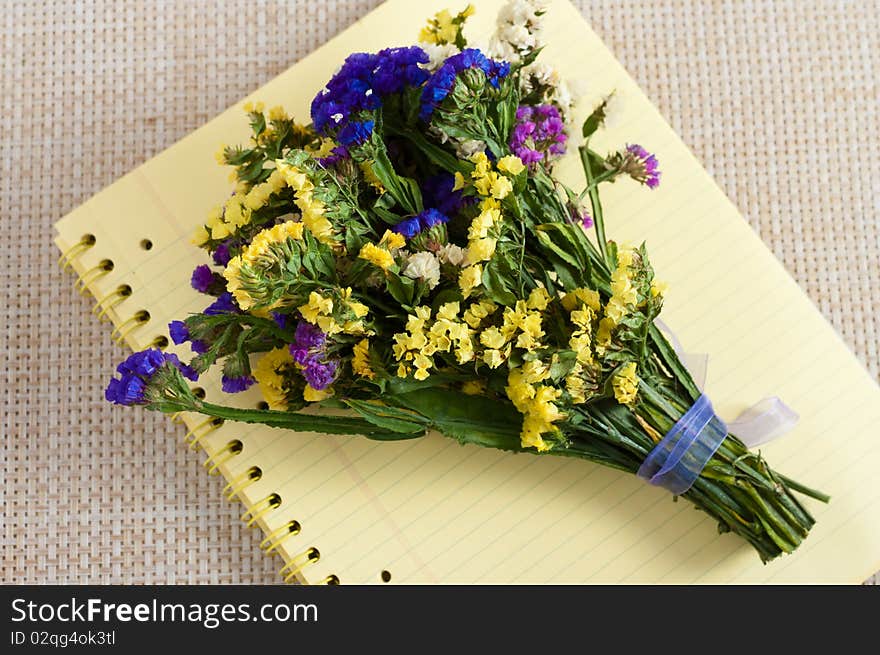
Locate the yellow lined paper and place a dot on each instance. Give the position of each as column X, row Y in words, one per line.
column 433, row 511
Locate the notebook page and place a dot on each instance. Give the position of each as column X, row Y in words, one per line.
column 431, row 510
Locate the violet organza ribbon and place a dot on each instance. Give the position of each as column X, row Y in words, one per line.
column 679, row 458
column 764, row 421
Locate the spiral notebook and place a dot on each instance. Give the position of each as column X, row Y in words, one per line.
column 348, row 510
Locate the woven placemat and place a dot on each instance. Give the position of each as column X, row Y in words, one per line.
column 778, row 98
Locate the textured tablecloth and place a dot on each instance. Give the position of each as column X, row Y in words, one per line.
column 777, row 97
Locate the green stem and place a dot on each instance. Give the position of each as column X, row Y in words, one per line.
column 598, row 218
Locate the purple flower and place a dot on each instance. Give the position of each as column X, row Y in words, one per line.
column 236, row 385
column 538, row 134
column 431, row 217
column 198, row 346
column 586, row 221
column 178, row 331
column 320, row 375
column 308, row 335
column 643, row 166
column 221, row 255
column 441, row 83
column 202, row 278
column 136, row 374
column 223, row 305
column 300, row 355
column 281, row 320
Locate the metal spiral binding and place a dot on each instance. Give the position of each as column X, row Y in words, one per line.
column 84, row 279
column 115, row 297
column 259, row 509
column 130, row 325
column 215, row 461
column 298, row 562
column 77, row 249
column 199, row 432
column 242, row 482
column 275, row 538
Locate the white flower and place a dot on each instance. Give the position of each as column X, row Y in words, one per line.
column 519, row 29
column 614, row 110
column 425, row 267
column 545, row 79
column 437, row 54
column 452, row 254
column 467, row 148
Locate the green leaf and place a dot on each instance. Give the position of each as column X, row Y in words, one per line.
column 405, row 423
column 469, row 419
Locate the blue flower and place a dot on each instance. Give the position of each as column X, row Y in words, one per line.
column 236, row 385
column 202, row 278
column 431, row 217
column 442, row 81
column 221, row 256
column 408, row 227
column 360, row 85
column 178, row 331
column 355, row 133
column 223, row 305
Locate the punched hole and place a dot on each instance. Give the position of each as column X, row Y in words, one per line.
column 333, row 579
column 88, row 240
column 146, row 244
column 263, row 405
column 314, row 554
column 106, row 265
column 125, row 291
column 255, row 473
column 294, row 527
column 235, row 447
column 161, row 342
column 142, row 316
column 199, row 393
column 217, row 422
column 386, row 576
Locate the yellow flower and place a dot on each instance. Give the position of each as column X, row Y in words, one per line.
column 254, row 107
column 511, row 164
column 269, row 380
column 538, row 299
column 501, row 187
column 459, row 181
column 370, row 176
column 659, row 288
column 467, row 11
column 360, row 361
column 491, row 337
column 317, row 305
column 481, row 250
column 220, row 155
column 493, row 358
column 470, row 278
column 200, row 236
column 392, row 240
column 449, row 311
column 277, row 113
column 482, row 165
column 311, row 395
column 377, row 256
column 626, row 384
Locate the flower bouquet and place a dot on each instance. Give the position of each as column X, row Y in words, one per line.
column 408, row 262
